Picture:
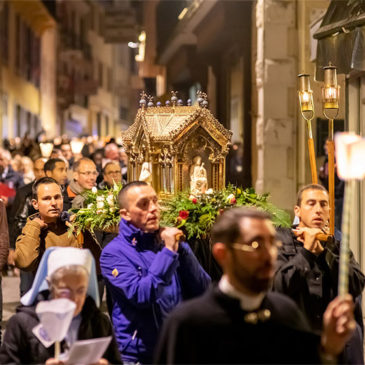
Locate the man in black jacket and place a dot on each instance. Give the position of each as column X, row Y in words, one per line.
column 307, row 269
column 56, row 168
column 239, row 321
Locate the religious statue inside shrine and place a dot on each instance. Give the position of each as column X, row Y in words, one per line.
column 198, row 177
column 146, row 173
column 176, row 147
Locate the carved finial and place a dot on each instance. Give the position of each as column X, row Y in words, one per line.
column 202, row 99
column 174, row 97
column 150, row 101
column 189, row 102
column 158, row 103
column 142, row 101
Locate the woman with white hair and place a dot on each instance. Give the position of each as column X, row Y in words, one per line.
column 64, row 272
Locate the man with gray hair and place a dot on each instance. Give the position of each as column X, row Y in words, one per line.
column 113, row 153
column 84, row 178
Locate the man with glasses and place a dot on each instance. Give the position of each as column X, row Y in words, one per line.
column 84, row 178
column 239, row 321
column 112, row 174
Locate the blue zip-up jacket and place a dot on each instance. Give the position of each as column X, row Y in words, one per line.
column 146, row 281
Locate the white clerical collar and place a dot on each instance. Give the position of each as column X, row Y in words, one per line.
column 248, row 302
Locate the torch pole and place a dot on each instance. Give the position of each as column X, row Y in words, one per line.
column 331, row 175
column 343, row 275
column 312, row 155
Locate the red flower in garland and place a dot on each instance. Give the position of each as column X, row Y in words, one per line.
column 194, row 200
column 233, row 201
column 183, row 214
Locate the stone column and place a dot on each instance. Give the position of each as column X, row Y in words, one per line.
column 276, row 101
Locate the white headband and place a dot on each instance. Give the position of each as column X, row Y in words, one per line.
column 69, row 256
column 53, row 259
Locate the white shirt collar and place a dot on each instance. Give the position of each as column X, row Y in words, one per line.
column 247, row 302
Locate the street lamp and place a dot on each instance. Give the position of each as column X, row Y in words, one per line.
column 307, row 110
column 330, row 97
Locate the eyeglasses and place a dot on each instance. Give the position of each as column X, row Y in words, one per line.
column 257, row 245
column 89, row 173
column 117, row 172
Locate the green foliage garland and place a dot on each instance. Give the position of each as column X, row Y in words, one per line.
column 196, row 215
column 101, row 211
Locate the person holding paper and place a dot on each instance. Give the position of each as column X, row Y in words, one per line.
column 148, row 272
column 64, row 272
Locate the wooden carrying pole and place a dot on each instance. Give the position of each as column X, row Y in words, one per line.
column 312, row 155
column 331, row 175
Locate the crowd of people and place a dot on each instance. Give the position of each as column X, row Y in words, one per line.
column 276, row 301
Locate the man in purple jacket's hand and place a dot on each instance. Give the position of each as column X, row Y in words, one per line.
column 148, row 272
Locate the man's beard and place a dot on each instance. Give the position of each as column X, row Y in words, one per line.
column 250, row 281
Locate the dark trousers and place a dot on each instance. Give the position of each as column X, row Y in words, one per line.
column 26, row 281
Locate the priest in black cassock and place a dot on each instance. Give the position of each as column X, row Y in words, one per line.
column 239, row 321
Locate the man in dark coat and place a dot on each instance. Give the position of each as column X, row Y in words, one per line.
column 56, row 168
column 239, row 322
column 307, row 269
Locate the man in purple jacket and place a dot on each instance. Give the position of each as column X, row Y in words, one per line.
column 148, row 272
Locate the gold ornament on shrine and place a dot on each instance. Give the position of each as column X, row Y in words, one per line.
column 177, row 147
